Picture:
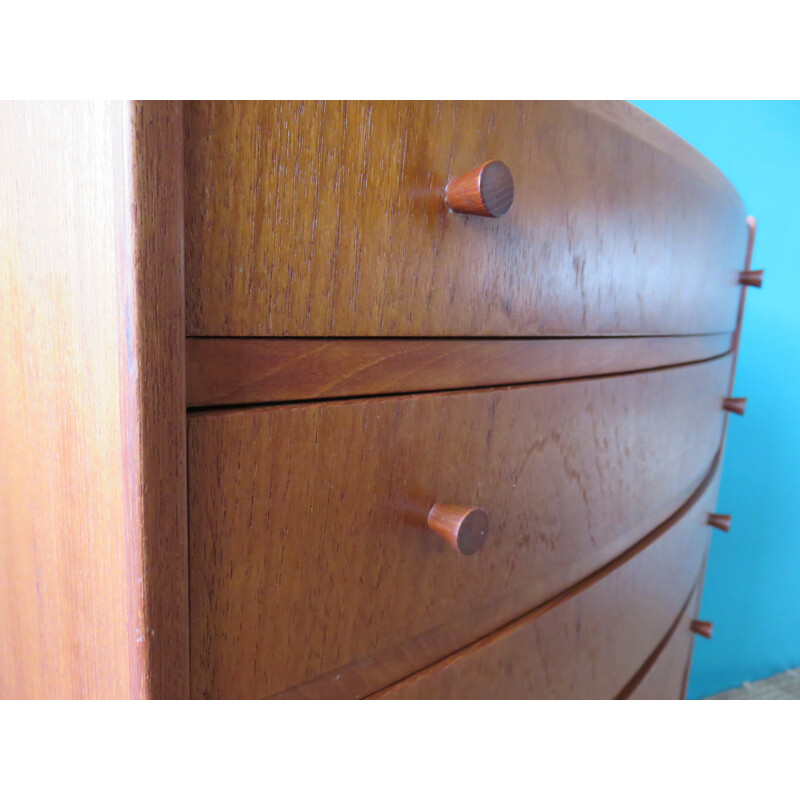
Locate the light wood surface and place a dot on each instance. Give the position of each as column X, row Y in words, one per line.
column 666, row 679
column 309, row 548
column 92, row 603
column 235, row 371
column 587, row 647
column 328, row 219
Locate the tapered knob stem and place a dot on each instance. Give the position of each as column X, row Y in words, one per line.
column 702, row 628
column 487, row 191
column 753, row 277
column 462, row 527
column 736, row 405
column 721, row 522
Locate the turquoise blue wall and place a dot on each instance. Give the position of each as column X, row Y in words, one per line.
column 752, row 590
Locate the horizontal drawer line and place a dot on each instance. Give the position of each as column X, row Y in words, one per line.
column 554, row 337
column 582, row 584
column 232, row 373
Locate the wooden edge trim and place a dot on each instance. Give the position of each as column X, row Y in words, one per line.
column 322, row 685
column 751, row 224
column 640, row 674
column 688, row 667
column 231, row 371
column 737, row 333
column 150, row 258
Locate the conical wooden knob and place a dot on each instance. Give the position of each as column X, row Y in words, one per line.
column 486, row 191
column 702, row 628
column 735, row 405
column 753, row 277
column 721, row 522
column 462, row 527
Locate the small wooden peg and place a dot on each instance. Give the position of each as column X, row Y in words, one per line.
column 720, row 521
column 702, row 628
column 736, row 405
column 462, row 527
column 753, row 277
column 486, row 191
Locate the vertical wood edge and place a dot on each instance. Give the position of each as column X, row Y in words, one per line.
column 153, row 406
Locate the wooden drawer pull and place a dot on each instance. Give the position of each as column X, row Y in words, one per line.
column 702, row 628
column 735, row 404
column 753, row 277
column 486, row 191
column 462, row 527
column 720, row 521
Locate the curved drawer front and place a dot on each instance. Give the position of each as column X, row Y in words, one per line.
column 590, row 646
column 328, row 219
column 667, row 678
column 309, row 547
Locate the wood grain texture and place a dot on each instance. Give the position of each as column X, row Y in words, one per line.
column 587, row 647
column 644, row 670
column 328, row 219
column 92, row 604
column 240, row 371
column 309, row 548
column 448, row 638
column 665, row 679
column 154, row 415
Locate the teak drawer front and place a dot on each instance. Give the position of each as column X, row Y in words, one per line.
column 668, row 677
column 328, row 219
column 308, row 543
column 588, row 647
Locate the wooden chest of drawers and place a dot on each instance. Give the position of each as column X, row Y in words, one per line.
column 357, row 352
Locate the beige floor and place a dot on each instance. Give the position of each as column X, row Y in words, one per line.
column 784, row 686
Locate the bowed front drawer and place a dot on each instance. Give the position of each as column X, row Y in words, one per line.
column 329, row 219
column 309, row 549
column 595, row 644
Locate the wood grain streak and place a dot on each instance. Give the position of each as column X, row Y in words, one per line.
column 323, row 506
column 234, row 371
column 328, row 219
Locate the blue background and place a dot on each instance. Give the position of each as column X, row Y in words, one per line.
column 752, row 589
